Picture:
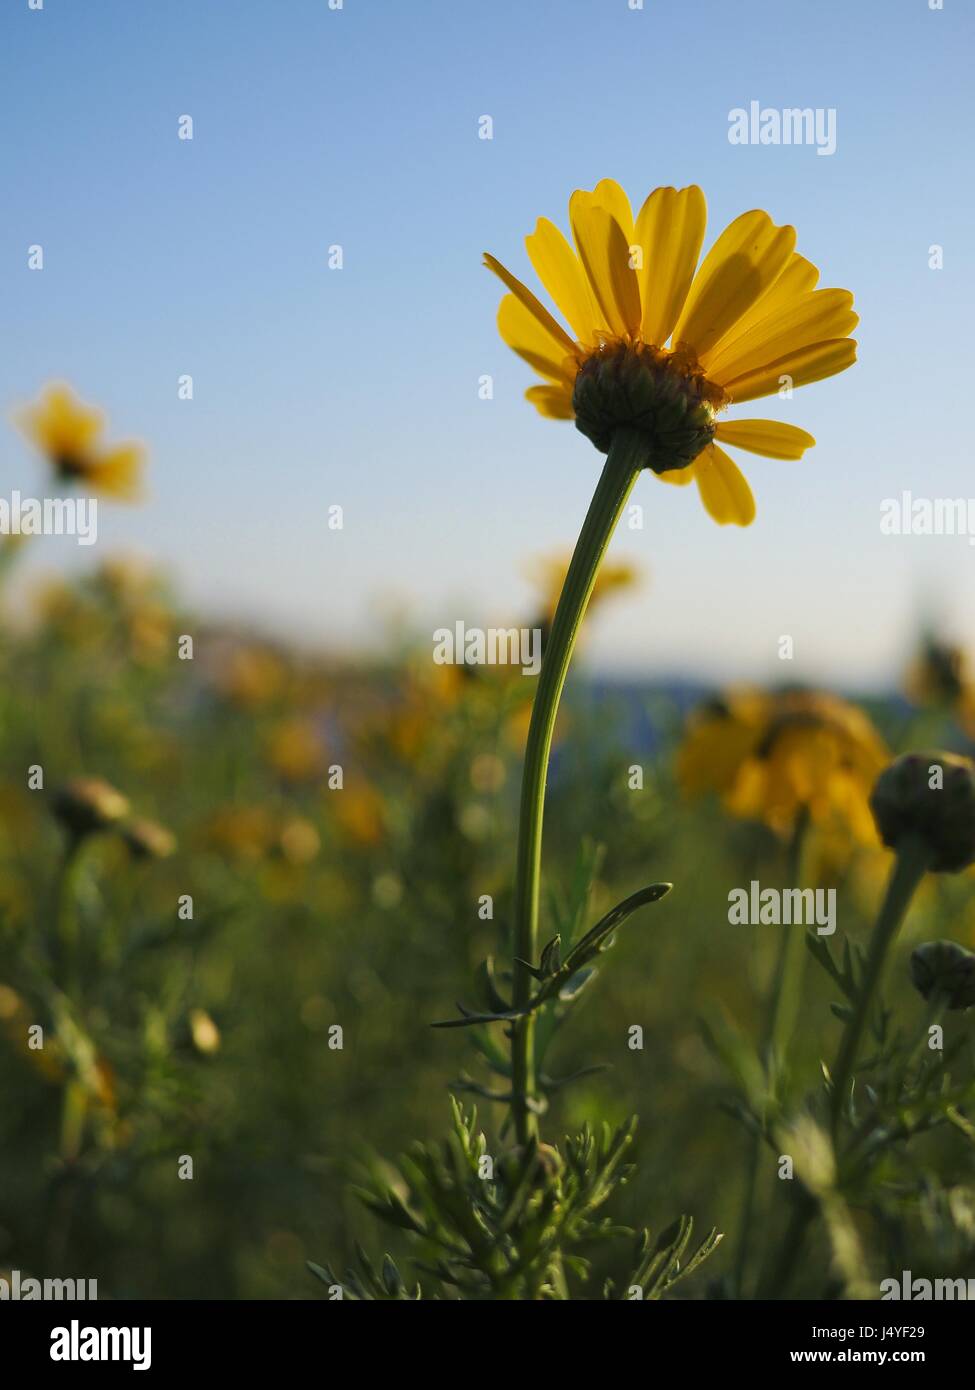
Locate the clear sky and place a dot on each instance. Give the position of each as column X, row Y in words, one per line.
column 315, row 386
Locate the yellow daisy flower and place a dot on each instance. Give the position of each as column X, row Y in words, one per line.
column 771, row 756
column 662, row 345
column 68, row 433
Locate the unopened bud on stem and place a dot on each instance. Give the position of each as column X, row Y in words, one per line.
column 945, row 968
column 929, row 797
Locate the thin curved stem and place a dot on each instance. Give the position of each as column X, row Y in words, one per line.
column 913, row 858
column 779, row 1020
column 627, row 456
column 64, row 933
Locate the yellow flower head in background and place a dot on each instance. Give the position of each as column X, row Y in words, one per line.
column 294, row 749
column 772, row 756
column 68, row 433
column 549, row 571
column 251, row 677
column 662, row 345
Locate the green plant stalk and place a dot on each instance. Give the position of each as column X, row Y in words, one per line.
column 780, row 1017
column 66, row 946
column 784, row 1004
column 910, row 866
column 65, row 943
column 627, row 456
column 779, row 1269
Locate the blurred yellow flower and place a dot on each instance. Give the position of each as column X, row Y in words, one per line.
column 299, row 841
column 749, row 320
column 771, row 756
column 294, row 749
column 549, row 573
column 68, row 433
column 58, row 606
column 242, row 833
column 426, row 696
column 134, row 597
column 251, row 677
column 360, row 813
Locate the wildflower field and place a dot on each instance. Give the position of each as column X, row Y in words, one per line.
column 189, row 951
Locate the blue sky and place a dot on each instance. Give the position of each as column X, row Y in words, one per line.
column 359, row 127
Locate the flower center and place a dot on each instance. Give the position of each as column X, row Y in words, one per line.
column 663, row 395
column 69, row 465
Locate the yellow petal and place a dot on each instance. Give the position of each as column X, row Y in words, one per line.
column 724, row 491
column 116, row 472
column 609, row 195
column 815, row 317
column 605, row 254
column 798, row 277
column 60, row 424
column 808, row 364
column 679, row 476
column 743, row 263
column 670, row 230
column 766, row 437
column 558, row 268
column 534, row 307
column 554, row 402
column 532, row 341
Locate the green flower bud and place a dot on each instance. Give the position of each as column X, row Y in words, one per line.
column 930, row 797
column 944, row 967
column 89, row 804
column 663, row 396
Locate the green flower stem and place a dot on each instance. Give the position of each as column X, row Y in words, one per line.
column 779, row 1021
column 627, row 456
column 65, row 928
column 780, row 1268
column 65, row 952
column 910, row 866
column 784, row 1003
